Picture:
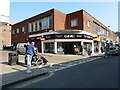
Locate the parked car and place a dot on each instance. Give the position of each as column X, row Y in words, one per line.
column 114, row 51
column 21, row 48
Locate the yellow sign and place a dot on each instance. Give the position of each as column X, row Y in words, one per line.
column 96, row 38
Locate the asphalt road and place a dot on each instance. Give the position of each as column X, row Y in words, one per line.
column 100, row 73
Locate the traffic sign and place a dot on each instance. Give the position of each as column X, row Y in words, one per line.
column 41, row 38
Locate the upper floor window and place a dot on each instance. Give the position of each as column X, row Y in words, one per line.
column 30, row 27
column 18, row 30
column 96, row 27
column 23, row 29
column 74, row 22
column 88, row 23
column 40, row 24
column 13, row 31
column 50, row 21
column 107, row 34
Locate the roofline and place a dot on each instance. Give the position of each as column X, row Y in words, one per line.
column 97, row 20
column 34, row 16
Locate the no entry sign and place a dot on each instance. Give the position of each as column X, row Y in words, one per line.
column 41, row 38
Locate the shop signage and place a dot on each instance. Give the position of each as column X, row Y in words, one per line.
column 100, row 33
column 68, row 36
column 41, row 38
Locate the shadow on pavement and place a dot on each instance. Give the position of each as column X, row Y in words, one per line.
column 19, row 76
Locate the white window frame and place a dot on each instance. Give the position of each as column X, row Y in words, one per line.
column 88, row 23
column 38, row 26
column 74, row 22
column 23, row 29
column 30, row 27
column 18, row 30
column 13, row 31
column 34, row 25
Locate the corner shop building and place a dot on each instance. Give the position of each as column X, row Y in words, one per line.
column 62, row 32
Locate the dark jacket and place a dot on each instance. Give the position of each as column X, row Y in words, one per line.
column 31, row 50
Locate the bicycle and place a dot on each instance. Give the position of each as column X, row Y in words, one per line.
column 39, row 61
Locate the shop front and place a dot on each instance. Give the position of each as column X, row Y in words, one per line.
column 67, row 42
column 97, row 43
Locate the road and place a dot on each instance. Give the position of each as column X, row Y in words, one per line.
column 99, row 73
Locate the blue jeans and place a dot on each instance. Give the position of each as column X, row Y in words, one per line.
column 29, row 59
column 106, row 55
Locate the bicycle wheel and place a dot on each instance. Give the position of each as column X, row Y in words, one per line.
column 39, row 63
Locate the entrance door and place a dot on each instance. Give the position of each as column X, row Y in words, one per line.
column 68, row 48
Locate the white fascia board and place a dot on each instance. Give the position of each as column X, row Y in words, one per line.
column 41, row 34
column 68, row 40
column 56, row 32
column 84, row 32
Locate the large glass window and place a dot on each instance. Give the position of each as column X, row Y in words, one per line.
column 59, row 47
column 49, row 47
column 96, row 27
column 40, row 24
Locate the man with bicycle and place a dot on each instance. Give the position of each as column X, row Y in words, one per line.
column 30, row 53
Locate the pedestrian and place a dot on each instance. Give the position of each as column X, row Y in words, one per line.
column 26, row 47
column 81, row 50
column 89, row 51
column 30, row 53
column 101, row 49
column 106, row 55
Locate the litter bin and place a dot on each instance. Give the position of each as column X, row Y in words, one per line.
column 13, row 59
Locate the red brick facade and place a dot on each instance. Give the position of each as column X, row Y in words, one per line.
column 60, row 21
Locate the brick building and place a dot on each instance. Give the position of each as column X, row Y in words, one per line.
column 5, row 34
column 63, row 33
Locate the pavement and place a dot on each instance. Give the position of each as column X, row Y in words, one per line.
column 17, row 73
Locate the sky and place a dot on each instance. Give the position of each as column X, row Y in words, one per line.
column 105, row 12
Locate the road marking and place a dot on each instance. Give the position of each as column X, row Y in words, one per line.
column 28, row 83
column 51, row 72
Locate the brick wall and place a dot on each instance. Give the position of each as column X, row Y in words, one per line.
column 59, row 20
column 75, row 15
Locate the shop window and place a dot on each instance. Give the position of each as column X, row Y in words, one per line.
column 60, row 48
column 49, row 47
column 74, row 22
